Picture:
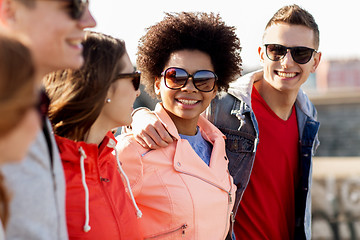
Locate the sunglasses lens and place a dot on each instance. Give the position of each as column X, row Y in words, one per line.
column 301, row 55
column 175, row 78
column 275, row 51
column 78, row 8
column 135, row 78
column 136, row 82
column 204, row 80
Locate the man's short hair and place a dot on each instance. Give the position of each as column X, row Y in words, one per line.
column 293, row 14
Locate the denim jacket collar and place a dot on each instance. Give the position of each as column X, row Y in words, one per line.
column 242, row 88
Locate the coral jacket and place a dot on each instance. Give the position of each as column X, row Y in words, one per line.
column 179, row 195
column 111, row 213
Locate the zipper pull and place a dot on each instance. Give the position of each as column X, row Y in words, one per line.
column 183, row 229
column 104, row 179
column 232, row 217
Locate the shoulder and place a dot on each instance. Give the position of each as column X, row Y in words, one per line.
column 128, row 146
column 242, row 87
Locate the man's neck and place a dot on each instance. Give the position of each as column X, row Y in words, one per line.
column 281, row 103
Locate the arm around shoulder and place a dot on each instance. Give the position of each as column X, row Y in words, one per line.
column 148, row 130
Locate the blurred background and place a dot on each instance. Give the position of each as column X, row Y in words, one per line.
column 334, row 88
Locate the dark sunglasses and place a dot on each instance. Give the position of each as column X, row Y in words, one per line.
column 135, row 78
column 176, row 78
column 77, row 7
column 301, row 55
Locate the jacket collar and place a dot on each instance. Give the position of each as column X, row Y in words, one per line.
column 69, row 149
column 208, row 129
column 183, row 160
column 242, row 88
column 304, row 104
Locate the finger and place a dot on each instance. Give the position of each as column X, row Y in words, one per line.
column 153, row 139
column 141, row 141
column 162, row 132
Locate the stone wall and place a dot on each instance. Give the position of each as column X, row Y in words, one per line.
column 336, row 198
column 339, row 116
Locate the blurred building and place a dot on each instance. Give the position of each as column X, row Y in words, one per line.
column 335, row 91
column 338, row 74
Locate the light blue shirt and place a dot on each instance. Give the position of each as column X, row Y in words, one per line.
column 202, row 147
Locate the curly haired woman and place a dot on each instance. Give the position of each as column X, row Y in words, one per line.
column 184, row 189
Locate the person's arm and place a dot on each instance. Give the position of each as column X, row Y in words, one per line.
column 148, row 131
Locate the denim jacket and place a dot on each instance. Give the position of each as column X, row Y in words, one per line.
column 231, row 112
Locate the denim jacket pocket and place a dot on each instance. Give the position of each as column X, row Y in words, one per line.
column 239, row 150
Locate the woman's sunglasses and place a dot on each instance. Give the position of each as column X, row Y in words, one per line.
column 135, row 78
column 301, row 55
column 176, row 78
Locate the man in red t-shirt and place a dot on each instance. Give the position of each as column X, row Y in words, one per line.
column 275, row 198
column 288, row 56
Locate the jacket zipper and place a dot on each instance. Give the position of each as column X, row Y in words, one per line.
column 229, row 213
column 103, row 182
column 213, row 184
column 182, row 227
column 228, row 192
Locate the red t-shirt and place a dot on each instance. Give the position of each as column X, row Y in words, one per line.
column 267, row 209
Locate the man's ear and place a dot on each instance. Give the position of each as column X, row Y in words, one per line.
column 261, row 54
column 317, row 59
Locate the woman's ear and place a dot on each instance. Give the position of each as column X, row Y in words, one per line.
column 157, row 86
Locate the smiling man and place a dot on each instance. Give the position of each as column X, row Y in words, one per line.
column 276, row 202
column 54, row 30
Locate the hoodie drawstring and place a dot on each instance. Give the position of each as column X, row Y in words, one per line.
column 138, row 212
column 86, row 227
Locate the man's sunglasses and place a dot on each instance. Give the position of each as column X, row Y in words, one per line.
column 301, row 55
column 176, row 78
column 76, row 7
column 135, row 78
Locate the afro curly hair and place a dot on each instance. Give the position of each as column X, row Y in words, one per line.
column 194, row 31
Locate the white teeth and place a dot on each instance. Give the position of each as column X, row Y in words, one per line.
column 287, row 75
column 75, row 42
column 187, row 102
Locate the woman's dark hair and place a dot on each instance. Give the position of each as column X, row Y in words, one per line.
column 77, row 96
column 193, row 31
